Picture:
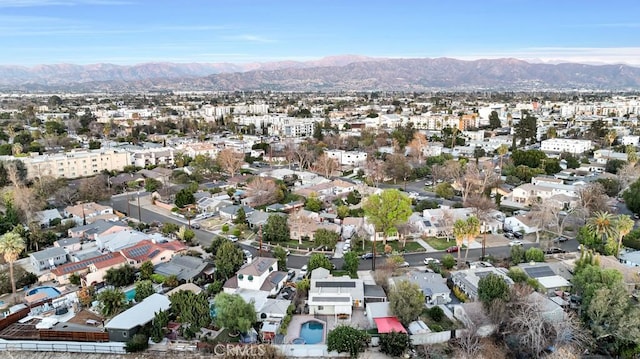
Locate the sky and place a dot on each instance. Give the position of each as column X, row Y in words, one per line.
column 128, row 32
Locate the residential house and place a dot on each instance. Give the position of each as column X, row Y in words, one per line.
column 260, row 275
column 603, row 156
column 98, row 269
column 547, row 278
column 467, row 280
column 379, row 316
column 213, row 204
column 228, row 213
column 258, row 218
column 433, row 286
column 439, row 222
column 336, row 296
column 48, row 258
column 521, row 223
column 147, row 250
column 62, row 273
column 97, row 228
column 328, row 190
column 114, row 242
column 89, row 212
column 303, row 224
column 69, row 245
column 348, row 158
column 562, row 145
column 631, row 259
column 547, row 189
column 47, row 216
column 185, row 268
column 126, row 324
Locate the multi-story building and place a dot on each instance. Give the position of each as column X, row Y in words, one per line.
column 163, row 156
column 560, row 145
column 348, row 158
column 73, row 164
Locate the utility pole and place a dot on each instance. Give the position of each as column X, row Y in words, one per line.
column 139, row 212
column 373, row 260
column 128, row 205
column 484, row 239
column 260, row 239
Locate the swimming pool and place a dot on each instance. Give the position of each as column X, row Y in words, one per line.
column 312, row 332
column 130, row 294
column 50, row 291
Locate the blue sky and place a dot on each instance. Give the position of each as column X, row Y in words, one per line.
column 136, row 31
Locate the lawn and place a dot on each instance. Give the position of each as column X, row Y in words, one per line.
column 224, row 337
column 340, row 273
column 396, row 246
column 445, row 323
column 289, row 244
column 440, row 243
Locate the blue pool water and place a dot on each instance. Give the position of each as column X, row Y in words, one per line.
column 130, row 294
column 50, row 291
column 312, row 332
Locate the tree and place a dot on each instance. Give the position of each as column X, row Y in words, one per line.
column 395, row 344
column 230, row 161
column 276, row 229
column 192, row 310
column 492, row 287
column 229, row 258
column 233, row 313
column 417, row 146
column 346, row 339
column 263, row 191
column 204, row 167
column 467, row 230
column 184, row 198
column 502, row 150
column 152, row 185
column 632, row 197
column 94, row 189
column 144, row 288
column 319, row 260
column 120, row 277
column 624, row 225
column 397, row 167
column 406, row 301
column 281, row 255
column 326, row 165
column 11, row 245
column 326, row 238
column 494, row 120
column 603, row 225
column 526, row 128
column 534, row 254
column 112, row 301
column 444, row 190
column 160, row 321
column 351, row 263
column 387, row 210
column 146, row 270
column 614, row 165
column 517, row 254
column 448, row 261
column 313, row 203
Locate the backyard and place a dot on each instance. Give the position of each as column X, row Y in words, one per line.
column 443, row 325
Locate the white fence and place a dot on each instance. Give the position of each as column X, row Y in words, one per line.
column 430, row 338
column 307, row 351
column 62, row 346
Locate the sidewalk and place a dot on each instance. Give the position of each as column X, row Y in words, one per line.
column 425, row 245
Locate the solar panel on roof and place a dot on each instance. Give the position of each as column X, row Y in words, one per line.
column 336, row 284
column 154, row 253
column 539, row 272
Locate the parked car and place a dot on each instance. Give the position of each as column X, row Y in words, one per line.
column 195, row 226
column 518, row 235
column 291, row 274
column 515, row 242
column 403, row 265
column 508, row 235
column 453, row 249
column 304, row 270
column 555, row 250
column 428, row 261
column 560, row 239
column 232, row 238
column 367, row 256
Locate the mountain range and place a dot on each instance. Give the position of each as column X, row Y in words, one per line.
column 350, row 72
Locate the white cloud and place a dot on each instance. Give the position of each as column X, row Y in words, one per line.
column 248, row 38
column 41, row 3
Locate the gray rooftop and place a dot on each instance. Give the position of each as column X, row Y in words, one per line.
column 184, row 267
column 331, row 299
column 374, row 291
column 52, row 252
column 140, row 314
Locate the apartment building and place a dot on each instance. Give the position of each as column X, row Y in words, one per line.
column 560, row 145
column 348, row 158
column 73, row 164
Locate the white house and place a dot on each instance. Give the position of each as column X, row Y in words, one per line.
column 348, row 158
column 560, row 145
column 520, row 223
column 260, row 275
column 603, row 156
column 630, row 140
column 467, row 280
column 337, row 296
column 48, row 258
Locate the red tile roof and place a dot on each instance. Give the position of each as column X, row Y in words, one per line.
column 82, row 265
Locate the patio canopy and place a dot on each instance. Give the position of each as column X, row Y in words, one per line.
column 389, row 324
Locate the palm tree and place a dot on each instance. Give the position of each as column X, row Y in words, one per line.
column 610, row 137
column 112, row 301
column 473, row 230
column 602, row 224
column 624, row 224
column 11, row 245
column 459, row 233
column 502, row 150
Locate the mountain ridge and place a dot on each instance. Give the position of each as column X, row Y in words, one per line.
column 347, row 72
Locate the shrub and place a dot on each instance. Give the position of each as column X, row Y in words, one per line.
column 157, row 278
column 74, row 279
column 534, row 254
column 436, row 328
column 225, row 228
column 436, row 313
column 448, row 261
column 237, row 232
column 460, row 295
column 138, row 343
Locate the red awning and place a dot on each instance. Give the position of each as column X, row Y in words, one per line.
column 389, row 324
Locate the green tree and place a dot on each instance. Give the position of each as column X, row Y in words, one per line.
column 319, row 260
column 517, row 275
column 152, row 185
column 346, row 339
column 517, row 254
column 159, row 323
column 112, row 301
column 184, row 198
column 354, row 197
column 185, row 234
column 351, row 263
column 229, row 258
column 169, row 228
column 342, row 211
column 281, row 255
column 591, row 278
column 74, row 279
column 624, row 225
column 494, row 120
column 395, row 344
column 276, row 229
column 241, row 217
column 448, row 261
column 444, row 190
column 526, row 128
column 614, row 165
column 313, row 203
column 632, row 197
column 603, row 225
column 406, row 301
column 11, row 245
column 146, row 270
column 233, row 313
column 326, row 238
column 139, row 342
column 120, row 277
column 192, row 310
column 534, row 254
column 436, row 313
column 492, row 287
column 144, row 288
column 387, row 210
column 529, row 158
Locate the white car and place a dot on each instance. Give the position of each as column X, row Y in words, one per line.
column 403, row 265
column 304, row 270
column 428, row 261
column 515, row 243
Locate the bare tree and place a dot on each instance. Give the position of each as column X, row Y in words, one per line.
column 67, row 196
column 481, row 206
column 628, row 174
column 23, row 197
column 230, row 160
column 591, row 198
column 326, row 165
column 93, row 189
column 417, row 146
column 397, row 167
column 476, row 180
column 263, row 190
column 374, row 169
column 469, row 342
column 446, row 224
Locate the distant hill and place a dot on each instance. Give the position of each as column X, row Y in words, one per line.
column 328, row 74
